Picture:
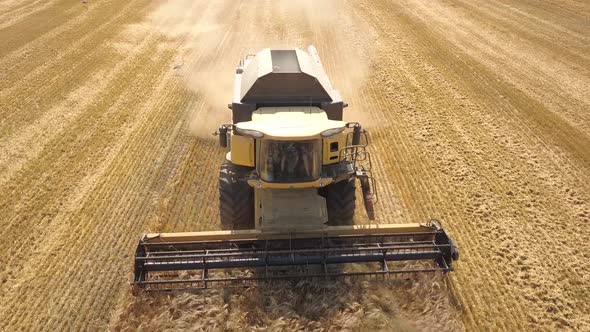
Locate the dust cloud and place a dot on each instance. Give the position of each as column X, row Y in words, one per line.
column 198, row 29
column 214, row 37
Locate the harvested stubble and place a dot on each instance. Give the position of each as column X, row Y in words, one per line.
column 479, row 117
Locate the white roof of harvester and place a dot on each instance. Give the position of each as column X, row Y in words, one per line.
column 298, row 122
column 276, row 75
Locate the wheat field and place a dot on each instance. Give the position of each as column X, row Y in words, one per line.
column 479, row 113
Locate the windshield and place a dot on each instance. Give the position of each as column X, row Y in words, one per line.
column 288, row 162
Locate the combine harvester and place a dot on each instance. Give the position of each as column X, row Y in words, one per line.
column 287, row 193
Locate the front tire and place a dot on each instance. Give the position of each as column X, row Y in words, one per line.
column 340, row 202
column 236, row 199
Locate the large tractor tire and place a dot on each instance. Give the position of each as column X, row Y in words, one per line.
column 340, row 201
column 236, row 200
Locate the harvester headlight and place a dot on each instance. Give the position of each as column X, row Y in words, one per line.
column 250, row 133
column 332, row 132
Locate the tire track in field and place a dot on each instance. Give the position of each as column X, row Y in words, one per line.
column 124, row 234
column 493, row 177
column 541, row 48
column 53, row 48
column 6, row 6
column 124, row 214
column 33, row 94
column 27, row 144
column 128, row 237
column 58, row 110
column 129, row 98
column 427, row 132
column 533, row 114
column 35, row 196
column 421, row 196
column 421, row 189
column 562, row 15
column 37, row 25
column 89, row 110
column 545, row 35
column 561, row 82
column 9, row 6
column 509, row 100
column 20, row 12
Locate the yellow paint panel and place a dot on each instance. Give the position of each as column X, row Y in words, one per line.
column 331, row 157
column 365, row 229
column 242, row 150
column 295, row 185
column 290, row 123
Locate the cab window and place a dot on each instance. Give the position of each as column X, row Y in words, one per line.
column 290, row 162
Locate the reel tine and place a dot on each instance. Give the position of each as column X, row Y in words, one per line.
column 194, row 265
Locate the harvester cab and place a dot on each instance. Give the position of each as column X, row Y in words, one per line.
column 287, row 192
column 289, row 143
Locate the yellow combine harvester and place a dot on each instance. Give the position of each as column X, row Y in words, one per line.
column 287, row 193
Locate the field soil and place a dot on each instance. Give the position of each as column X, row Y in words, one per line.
column 479, row 113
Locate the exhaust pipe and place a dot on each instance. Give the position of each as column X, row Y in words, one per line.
column 223, row 136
